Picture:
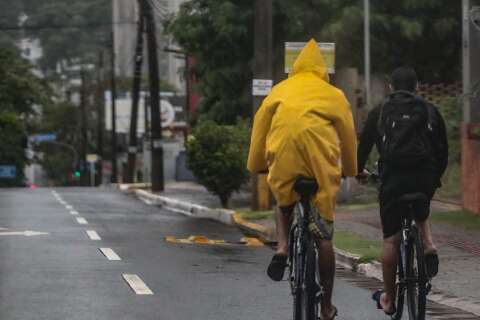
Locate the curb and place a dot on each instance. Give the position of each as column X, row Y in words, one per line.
column 186, row 208
column 263, row 233
column 345, row 259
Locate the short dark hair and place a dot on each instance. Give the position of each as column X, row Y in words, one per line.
column 404, row 78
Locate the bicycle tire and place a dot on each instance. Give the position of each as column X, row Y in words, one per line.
column 310, row 309
column 400, row 285
column 297, row 263
column 304, row 297
column 417, row 277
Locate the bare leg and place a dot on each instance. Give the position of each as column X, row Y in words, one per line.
column 425, row 230
column 283, row 223
column 326, row 265
column 389, row 267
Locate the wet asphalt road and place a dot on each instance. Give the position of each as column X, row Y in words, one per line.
column 63, row 275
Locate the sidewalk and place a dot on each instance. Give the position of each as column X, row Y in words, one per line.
column 456, row 285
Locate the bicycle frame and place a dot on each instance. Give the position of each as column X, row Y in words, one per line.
column 299, row 240
column 409, row 235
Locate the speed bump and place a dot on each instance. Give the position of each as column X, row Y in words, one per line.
column 247, row 241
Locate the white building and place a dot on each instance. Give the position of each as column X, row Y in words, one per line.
column 30, row 49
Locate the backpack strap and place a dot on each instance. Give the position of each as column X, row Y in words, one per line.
column 380, row 127
column 430, row 115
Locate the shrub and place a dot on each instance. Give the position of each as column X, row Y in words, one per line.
column 217, row 156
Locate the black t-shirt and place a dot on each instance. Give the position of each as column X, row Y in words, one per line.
column 370, row 136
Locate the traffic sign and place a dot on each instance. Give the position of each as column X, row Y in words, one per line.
column 8, row 172
column 92, row 157
column 44, row 137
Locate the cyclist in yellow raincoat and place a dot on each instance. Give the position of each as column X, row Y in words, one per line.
column 304, row 128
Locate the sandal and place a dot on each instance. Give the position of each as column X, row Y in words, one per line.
column 277, row 266
column 376, row 297
column 431, row 262
column 334, row 315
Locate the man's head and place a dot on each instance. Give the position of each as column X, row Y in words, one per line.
column 404, row 79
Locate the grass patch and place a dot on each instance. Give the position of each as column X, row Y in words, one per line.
column 451, row 182
column 461, row 218
column 257, row 215
column 367, row 249
column 360, row 206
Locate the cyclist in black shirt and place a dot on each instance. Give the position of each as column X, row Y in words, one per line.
column 396, row 179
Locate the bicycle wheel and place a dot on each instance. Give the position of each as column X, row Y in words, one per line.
column 310, row 308
column 400, row 282
column 305, row 306
column 417, row 277
column 297, row 272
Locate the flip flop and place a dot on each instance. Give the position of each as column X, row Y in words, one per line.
column 335, row 314
column 277, row 266
column 431, row 262
column 376, row 297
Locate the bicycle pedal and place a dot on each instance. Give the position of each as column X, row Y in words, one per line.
column 429, row 287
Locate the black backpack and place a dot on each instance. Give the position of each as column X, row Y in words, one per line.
column 405, row 128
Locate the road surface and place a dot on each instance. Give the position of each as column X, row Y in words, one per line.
column 85, row 253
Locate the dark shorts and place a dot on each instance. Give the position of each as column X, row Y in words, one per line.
column 393, row 187
column 319, row 227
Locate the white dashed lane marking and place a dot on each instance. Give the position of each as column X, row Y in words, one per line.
column 69, row 207
column 137, row 285
column 73, row 212
column 110, row 254
column 93, row 235
column 82, row 220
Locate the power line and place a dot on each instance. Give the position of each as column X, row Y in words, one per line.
column 84, row 26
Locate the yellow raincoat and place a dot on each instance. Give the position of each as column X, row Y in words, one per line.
column 301, row 129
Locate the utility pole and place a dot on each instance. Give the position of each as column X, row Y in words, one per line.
column 263, row 47
column 158, row 183
column 83, row 129
column 100, row 116
column 471, row 105
column 114, row 176
column 368, row 81
column 137, row 79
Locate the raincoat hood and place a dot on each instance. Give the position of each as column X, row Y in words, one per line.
column 311, row 60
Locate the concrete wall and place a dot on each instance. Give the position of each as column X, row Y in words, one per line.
column 470, row 171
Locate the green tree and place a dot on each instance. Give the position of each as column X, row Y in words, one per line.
column 12, row 150
column 59, row 159
column 84, row 42
column 20, row 88
column 20, row 92
column 423, row 34
column 217, row 155
column 219, row 35
column 10, row 12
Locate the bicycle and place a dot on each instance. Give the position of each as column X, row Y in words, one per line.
column 412, row 280
column 412, row 272
column 303, row 257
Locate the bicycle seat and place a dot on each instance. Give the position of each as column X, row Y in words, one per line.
column 412, row 198
column 305, row 187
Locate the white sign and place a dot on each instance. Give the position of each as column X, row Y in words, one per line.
column 261, row 87
column 168, row 113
